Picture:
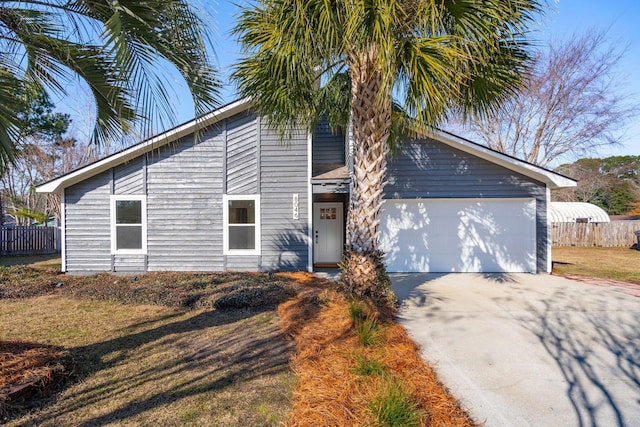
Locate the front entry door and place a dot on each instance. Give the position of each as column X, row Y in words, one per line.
column 328, row 233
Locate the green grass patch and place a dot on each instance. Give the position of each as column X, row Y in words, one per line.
column 368, row 331
column 394, row 407
column 357, row 311
column 612, row 263
column 366, row 366
column 37, row 261
column 366, row 325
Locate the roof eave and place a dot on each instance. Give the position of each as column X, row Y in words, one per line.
column 331, row 181
column 59, row 184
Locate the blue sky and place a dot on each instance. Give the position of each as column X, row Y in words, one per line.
column 621, row 18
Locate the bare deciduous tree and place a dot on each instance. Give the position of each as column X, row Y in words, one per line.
column 571, row 104
column 38, row 161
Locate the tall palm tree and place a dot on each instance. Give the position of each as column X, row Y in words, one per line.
column 432, row 56
column 118, row 48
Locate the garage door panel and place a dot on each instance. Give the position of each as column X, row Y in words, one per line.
column 459, row 235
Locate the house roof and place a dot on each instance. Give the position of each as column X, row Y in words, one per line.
column 329, row 172
column 58, row 184
column 551, row 179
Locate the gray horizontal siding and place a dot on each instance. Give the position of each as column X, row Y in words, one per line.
column 184, row 205
column 88, row 225
column 242, row 155
column 430, row 169
column 243, row 263
column 129, row 263
column 283, row 172
column 327, row 146
column 328, row 188
column 128, row 177
column 433, row 169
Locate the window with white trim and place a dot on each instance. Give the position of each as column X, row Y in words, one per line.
column 128, row 224
column 241, row 216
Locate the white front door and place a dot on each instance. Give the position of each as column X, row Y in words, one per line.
column 328, row 233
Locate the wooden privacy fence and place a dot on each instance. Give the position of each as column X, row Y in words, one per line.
column 15, row 240
column 607, row 234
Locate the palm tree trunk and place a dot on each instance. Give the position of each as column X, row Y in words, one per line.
column 371, row 123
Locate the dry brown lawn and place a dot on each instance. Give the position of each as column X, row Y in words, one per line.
column 153, row 365
column 607, row 263
column 39, row 261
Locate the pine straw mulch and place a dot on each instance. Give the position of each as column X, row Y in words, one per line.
column 328, row 392
column 27, row 370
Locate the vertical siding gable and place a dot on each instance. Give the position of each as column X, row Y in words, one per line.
column 184, row 204
column 328, row 147
column 184, row 183
column 242, row 155
column 283, row 172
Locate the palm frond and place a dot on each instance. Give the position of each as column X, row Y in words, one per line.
column 119, row 49
column 9, row 122
column 436, row 56
column 334, row 101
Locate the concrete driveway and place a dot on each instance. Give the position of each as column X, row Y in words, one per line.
column 528, row 350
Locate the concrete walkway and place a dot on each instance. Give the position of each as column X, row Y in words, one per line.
column 528, row 350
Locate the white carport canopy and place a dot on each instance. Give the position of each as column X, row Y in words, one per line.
column 576, row 212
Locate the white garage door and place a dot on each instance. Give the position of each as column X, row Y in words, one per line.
column 459, row 235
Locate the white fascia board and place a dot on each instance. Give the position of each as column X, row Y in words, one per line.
column 57, row 185
column 309, row 201
column 552, row 179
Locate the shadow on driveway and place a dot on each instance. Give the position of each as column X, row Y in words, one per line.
column 598, row 353
column 522, row 349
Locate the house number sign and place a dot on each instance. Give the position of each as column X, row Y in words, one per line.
column 296, row 210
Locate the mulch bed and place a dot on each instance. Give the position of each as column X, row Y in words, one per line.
column 328, row 391
column 28, row 370
column 225, row 290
